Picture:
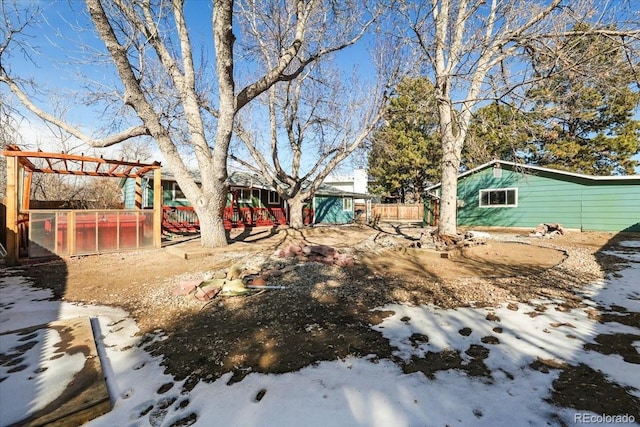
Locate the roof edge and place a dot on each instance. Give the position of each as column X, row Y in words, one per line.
column 541, row 169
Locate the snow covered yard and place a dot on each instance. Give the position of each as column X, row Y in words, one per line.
column 504, row 365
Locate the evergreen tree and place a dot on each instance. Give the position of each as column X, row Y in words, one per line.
column 498, row 131
column 585, row 101
column 405, row 154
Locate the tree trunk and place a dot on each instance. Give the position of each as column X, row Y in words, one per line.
column 295, row 212
column 210, row 215
column 451, row 152
column 447, row 224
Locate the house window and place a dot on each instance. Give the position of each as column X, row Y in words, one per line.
column 499, row 198
column 177, row 192
column 274, row 198
column 243, row 195
column 347, row 204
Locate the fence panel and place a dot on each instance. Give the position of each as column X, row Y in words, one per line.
column 397, row 212
column 83, row 232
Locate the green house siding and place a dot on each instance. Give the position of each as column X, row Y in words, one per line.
column 129, row 193
column 611, row 207
column 129, row 190
column 329, row 210
column 539, row 199
column 253, row 197
column 168, row 198
column 547, row 197
column 256, row 198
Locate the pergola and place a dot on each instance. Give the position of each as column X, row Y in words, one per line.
column 22, row 164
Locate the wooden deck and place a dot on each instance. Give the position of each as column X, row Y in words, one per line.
column 86, row 396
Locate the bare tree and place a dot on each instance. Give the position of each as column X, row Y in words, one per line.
column 5, row 138
column 315, row 123
column 319, row 118
column 170, row 93
column 135, row 150
column 476, row 50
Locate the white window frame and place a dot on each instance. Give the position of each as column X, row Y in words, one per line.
column 174, row 189
column 347, row 204
column 242, row 195
column 506, row 190
column 274, row 198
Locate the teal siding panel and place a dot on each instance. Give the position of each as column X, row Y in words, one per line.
column 328, row 210
column 611, row 207
column 129, row 193
column 547, row 198
column 540, row 199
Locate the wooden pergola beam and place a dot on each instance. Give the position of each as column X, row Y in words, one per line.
column 132, row 170
column 26, row 192
column 63, row 156
column 85, row 173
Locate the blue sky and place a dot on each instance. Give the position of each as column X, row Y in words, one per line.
column 58, row 44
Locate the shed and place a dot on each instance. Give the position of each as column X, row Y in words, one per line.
column 334, row 206
column 506, row 194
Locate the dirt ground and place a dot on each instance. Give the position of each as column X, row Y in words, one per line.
column 325, row 311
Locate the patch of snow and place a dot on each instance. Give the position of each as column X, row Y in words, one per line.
column 349, row 392
column 479, row 234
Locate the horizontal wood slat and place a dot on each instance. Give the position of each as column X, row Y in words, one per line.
column 397, row 212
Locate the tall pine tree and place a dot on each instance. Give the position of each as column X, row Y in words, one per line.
column 499, row 131
column 585, row 101
column 405, row 154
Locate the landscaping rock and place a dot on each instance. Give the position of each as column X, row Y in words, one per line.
column 271, row 273
column 547, row 230
column 186, row 287
column 206, row 293
column 323, row 250
column 295, row 249
column 479, row 234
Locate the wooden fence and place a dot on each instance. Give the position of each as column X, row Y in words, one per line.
column 397, row 212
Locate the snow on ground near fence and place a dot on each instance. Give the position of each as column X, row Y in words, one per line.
column 354, row 391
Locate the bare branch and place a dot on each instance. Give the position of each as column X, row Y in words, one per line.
column 105, row 142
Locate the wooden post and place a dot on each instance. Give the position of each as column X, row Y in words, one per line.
column 71, row 233
column 12, row 211
column 138, row 186
column 26, row 191
column 157, row 208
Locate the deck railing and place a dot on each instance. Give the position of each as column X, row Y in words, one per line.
column 183, row 219
column 254, row 217
column 180, row 220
